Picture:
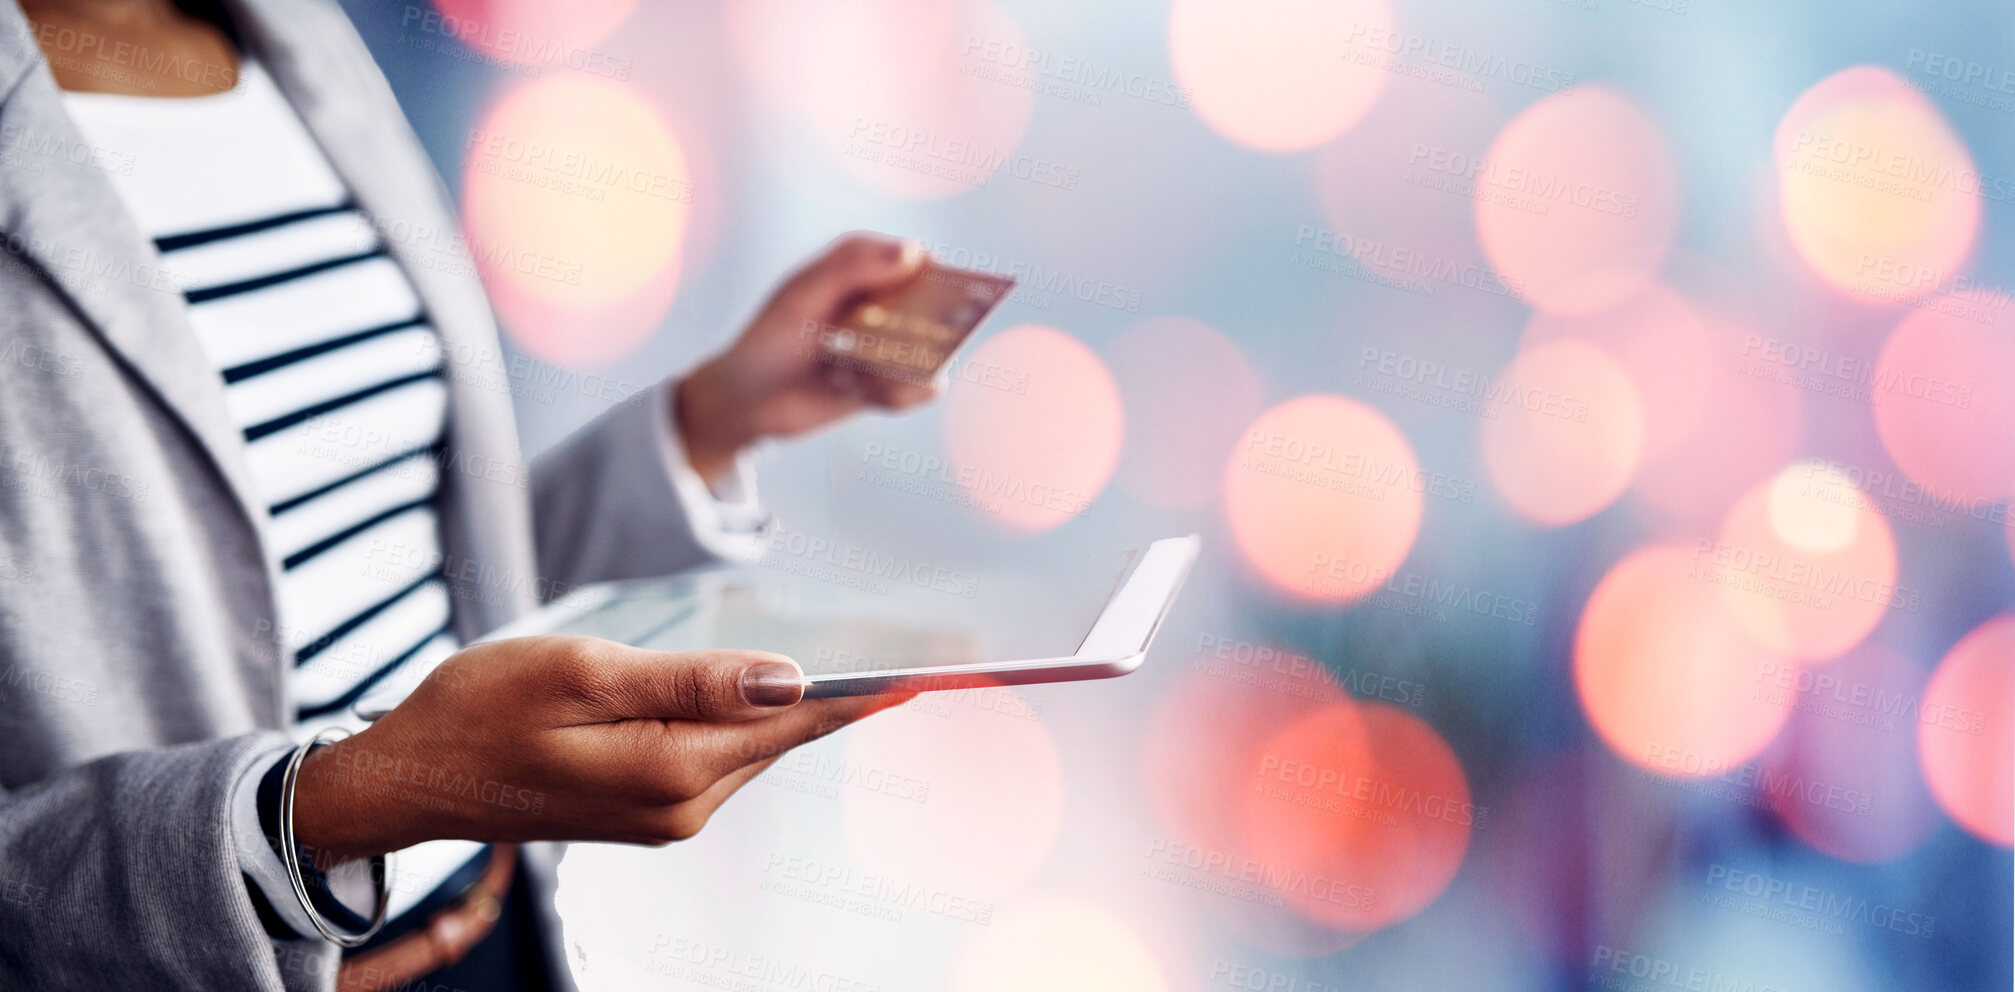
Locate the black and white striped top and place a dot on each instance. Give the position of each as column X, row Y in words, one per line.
column 330, row 369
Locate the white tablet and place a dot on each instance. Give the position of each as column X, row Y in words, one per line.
column 859, row 624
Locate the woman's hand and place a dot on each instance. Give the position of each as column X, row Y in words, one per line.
column 772, row 382
column 562, row 738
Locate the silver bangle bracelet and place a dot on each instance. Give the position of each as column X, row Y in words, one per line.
column 291, row 854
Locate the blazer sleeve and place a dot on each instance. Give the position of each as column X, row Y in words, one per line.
column 126, row 873
column 618, row 500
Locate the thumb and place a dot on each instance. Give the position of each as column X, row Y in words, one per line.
column 724, row 686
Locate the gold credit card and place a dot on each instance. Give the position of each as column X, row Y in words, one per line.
column 908, row 332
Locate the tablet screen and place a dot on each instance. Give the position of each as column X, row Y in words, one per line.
column 861, row 619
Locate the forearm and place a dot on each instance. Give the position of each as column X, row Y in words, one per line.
column 125, row 872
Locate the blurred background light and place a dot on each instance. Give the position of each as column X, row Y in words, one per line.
column 575, row 197
column 1324, row 498
column 1944, row 397
column 1568, row 437
column 883, row 87
column 1871, row 184
column 1280, row 75
column 1666, row 673
column 1367, row 802
column 1064, row 945
column 1041, row 453
column 1318, row 281
column 1966, row 732
column 1578, row 201
column 985, row 799
column 1801, row 576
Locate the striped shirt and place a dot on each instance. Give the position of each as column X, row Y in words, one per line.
column 333, row 374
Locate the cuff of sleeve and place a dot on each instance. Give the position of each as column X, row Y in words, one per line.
column 257, row 858
column 727, row 518
column 255, row 818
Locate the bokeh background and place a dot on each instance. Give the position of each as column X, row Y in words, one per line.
column 1600, row 416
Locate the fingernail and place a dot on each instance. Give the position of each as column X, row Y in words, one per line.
column 912, row 253
column 772, row 683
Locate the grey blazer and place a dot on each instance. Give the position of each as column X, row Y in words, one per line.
column 140, row 662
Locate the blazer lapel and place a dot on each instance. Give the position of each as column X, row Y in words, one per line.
column 60, row 214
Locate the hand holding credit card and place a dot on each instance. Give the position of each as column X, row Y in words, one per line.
column 907, row 333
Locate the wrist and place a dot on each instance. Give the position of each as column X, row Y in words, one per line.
column 339, row 813
column 712, row 418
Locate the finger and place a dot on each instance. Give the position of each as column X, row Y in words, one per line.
column 845, row 383
column 855, row 266
column 669, row 762
column 715, row 750
column 612, row 682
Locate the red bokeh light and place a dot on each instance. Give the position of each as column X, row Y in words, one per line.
column 1371, row 803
